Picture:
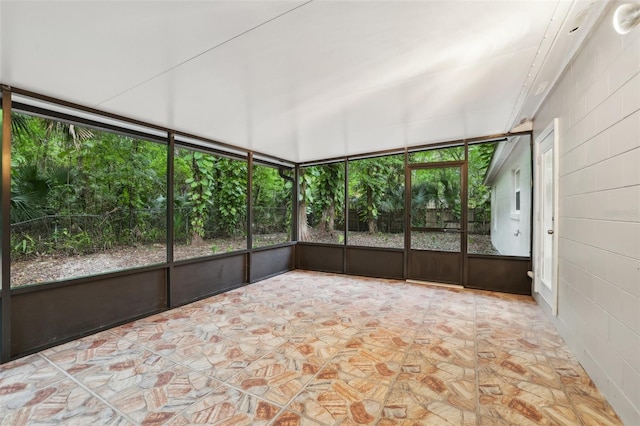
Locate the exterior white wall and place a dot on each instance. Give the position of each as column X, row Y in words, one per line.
column 506, row 224
column 598, row 104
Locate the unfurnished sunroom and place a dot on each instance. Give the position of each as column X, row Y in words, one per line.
column 157, row 154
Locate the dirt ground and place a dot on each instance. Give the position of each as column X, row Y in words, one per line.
column 442, row 241
column 55, row 268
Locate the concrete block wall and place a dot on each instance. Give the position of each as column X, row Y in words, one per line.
column 598, row 103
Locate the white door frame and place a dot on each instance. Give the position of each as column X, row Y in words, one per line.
column 538, row 229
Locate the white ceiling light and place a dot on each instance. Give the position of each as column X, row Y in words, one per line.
column 626, row 18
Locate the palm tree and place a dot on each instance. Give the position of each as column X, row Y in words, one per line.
column 29, row 192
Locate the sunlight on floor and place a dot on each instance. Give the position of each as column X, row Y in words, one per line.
column 307, row 348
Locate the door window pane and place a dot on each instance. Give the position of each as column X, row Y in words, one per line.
column 435, row 241
column 438, row 155
column 436, row 204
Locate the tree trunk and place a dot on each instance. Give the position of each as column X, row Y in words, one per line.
column 371, row 219
column 372, row 226
column 303, row 226
column 332, row 217
column 197, row 235
column 196, row 239
column 84, row 181
column 327, row 222
column 322, row 226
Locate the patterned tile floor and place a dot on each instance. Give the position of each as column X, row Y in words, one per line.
column 308, row 348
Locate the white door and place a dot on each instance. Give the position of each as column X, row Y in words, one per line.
column 546, row 217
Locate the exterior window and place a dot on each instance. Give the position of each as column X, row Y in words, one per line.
column 321, row 204
column 210, row 204
column 272, row 212
column 516, row 190
column 499, row 198
column 482, row 199
column 375, row 217
column 84, row 201
column 455, row 153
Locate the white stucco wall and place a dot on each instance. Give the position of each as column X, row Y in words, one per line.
column 597, row 102
column 506, row 224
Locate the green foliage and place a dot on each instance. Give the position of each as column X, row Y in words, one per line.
column 26, row 245
column 371, row 181
column 230, row 196
column 455, row 153
column 210, row 196
column 479, row 159
column 29, row 191
column 436, row 191
column 76, row 243
column 307, row 178
column 76, row 190
column 200, row 194
column 322, row 192
column 19, row 124
column 272, row 197
column 330, row 193
column 480, row 195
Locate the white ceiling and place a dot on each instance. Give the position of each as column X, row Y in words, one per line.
column 299, row 80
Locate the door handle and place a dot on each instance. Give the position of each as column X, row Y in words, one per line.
column 550, row 231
